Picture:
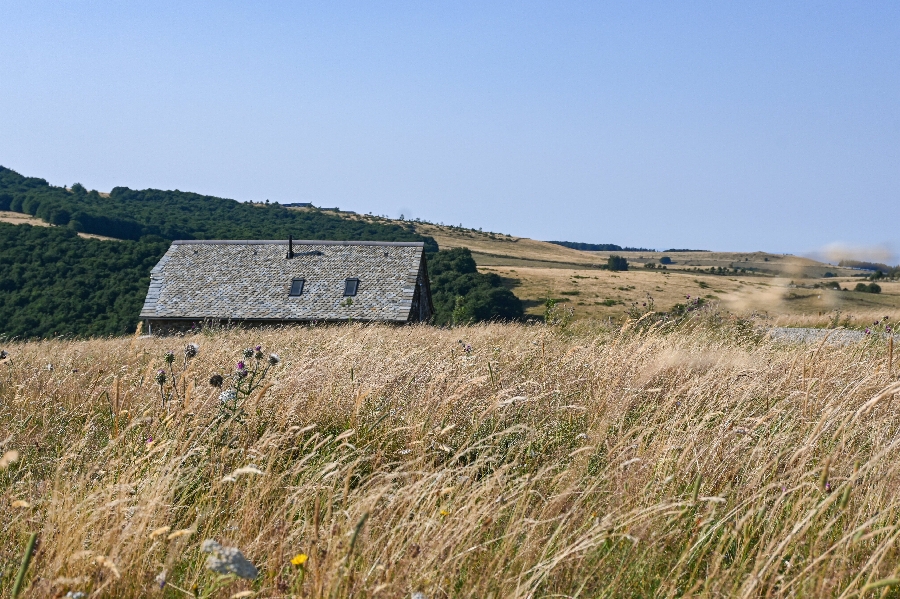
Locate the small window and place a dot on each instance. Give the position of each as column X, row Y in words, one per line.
column 351, row 286
column 297, row 286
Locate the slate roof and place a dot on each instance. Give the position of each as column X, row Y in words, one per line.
column 252, row 279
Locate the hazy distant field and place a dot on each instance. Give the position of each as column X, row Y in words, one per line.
column 779, row 286
column 687, row 459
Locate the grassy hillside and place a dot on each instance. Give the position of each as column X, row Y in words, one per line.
column 780, row 286
column 487, row 461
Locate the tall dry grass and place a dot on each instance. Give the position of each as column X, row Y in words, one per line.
column 695, row 462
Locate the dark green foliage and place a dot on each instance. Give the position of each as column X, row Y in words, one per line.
column 665, row 260
column 870, row 288
column 131, row 214
column 54, row 282
column 453, row 275
column 616, row 263
column 598, row 247
column 864, row 265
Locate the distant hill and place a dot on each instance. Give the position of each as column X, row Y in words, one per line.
column 598, row 247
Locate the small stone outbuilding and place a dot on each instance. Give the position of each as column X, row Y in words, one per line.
column 281, row 282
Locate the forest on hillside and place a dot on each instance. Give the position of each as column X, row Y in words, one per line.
column 130, row 214
column 54, row 282
column 598, row 247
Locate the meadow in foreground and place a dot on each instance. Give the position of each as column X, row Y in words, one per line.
column 485, row 461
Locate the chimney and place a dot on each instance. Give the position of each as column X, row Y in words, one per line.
column 290, row 253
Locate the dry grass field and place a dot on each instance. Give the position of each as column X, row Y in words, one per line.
column 691, row 458
column 773, row 284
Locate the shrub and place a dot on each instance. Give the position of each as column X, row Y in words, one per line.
column 461, row 293
column 870, row 288
column 616, row 263
column 665, row 260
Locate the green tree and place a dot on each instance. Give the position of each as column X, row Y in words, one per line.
column 453, row 275
column 616, row 263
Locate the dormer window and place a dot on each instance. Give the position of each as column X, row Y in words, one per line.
column 297, row 287
column 350, row 287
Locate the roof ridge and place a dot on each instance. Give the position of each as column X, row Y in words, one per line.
column 296, row 242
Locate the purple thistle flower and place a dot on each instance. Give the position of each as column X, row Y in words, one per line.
column 258, row 348
column 241, row 365
column 868, row 331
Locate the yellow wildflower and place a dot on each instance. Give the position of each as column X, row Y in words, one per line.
column 299, row 559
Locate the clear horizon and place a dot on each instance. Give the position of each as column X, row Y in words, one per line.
column 771, row 127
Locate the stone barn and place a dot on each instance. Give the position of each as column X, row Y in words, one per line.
column 281, row 282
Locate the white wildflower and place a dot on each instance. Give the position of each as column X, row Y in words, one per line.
column 251, row 469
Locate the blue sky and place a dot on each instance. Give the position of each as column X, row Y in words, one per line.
column 726, row 126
